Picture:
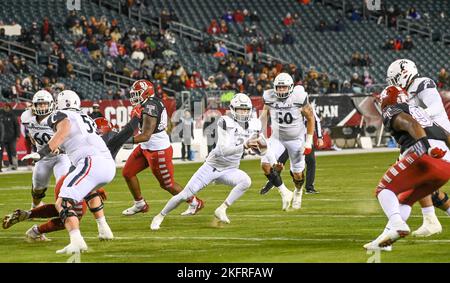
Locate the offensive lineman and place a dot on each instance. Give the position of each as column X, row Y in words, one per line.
column 154, row 150
column 287, row 105
column 235, row 134
column 75, row 134
column 35, row 121
column 421, row 92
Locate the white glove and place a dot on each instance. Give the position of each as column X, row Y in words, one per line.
column 34, row 156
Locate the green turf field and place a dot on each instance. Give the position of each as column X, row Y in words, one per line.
column 331, row 226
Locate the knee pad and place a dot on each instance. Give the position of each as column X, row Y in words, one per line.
column 437, row 201
column 274, row 178
column 67, row 209
column 298, row 183
column 38, row 193
column 246, row 182
column 91, row 196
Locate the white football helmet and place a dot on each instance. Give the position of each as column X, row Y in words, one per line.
column 401, row 72
column 283, row 80
column 241, row 101
column 68, row 100
column 41, row 97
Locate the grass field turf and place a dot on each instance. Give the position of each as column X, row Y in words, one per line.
column 331, row 226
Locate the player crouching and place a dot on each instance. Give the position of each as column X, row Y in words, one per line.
column 423, row 168
column 235, row 134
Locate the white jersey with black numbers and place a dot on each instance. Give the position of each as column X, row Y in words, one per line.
column 40, row 132
column 230, row 144
column 82, row 140
column 287, row 120
column 423, row 93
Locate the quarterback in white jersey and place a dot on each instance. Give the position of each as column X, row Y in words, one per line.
column 235, row 134
column 35, row 121
column 422, row 92
column 75, row 134
column 287, row 106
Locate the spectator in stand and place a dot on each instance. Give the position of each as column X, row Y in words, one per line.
column 118, row 95
column 96, row 112
column 276, row 39
column 408, row 44
column 443, row 81
column 356, row 15
column 366, row 61
column 333, row 88
column 190, row 82
column 71, row 20
column 288, row 38
column 17, row 89
column 393, row 13
column 223, row 26
column 288, row 20
column 77, row 30
column 313, row 83
column 47, row 29
column 388, row 44
column 346, row 87
column 2, row 34
column 211, row 83
column 238, row 17
column 228, row 17
column 50, row 73
column 322, row 27
column 240, row 86
column 213, row 28
column 62, row 65
column 398, row 44
column 254, row 17
column 138, row 55
column 357, row 83
column 70, row 71
column 10, row 136
column 94, row 49
column 46, row 46
column 355, row 60
column 368, row 80
column 187, row 135
column 2, row 67
column 338, row 25
column 412, row 14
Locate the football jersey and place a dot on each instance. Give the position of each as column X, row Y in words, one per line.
column 422, row 89
column 159, row 140
column 82, row 140
column 235, row 136
column 404, row 139
column 287, row 120
column 40, row 132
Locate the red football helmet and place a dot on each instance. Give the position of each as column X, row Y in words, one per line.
column 103, row 126
column 140, row 91
column 392, row 95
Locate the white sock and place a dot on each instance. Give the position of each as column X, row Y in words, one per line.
column 139, row 203
column 75, row 235
column 236, row 193
column 283, row 188
column 448, row 211
column 298, row 190
column 428, row 210
column 223, row 206
column 391, row 207
column 405, row 211
column 101, row 221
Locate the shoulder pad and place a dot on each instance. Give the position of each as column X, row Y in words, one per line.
column 424, row 84
column 255, row 125
column 26, row 116
column 269, row 96
column 55, row 118
column 299, row 96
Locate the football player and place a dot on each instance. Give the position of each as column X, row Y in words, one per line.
column 235, row 134
column 421, row 92
column 287, row 105
column 75, row 134
column 424, row 165
column 114, row 141
column 35, row 122
column 154, row 150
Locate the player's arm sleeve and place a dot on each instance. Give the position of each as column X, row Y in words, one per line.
column 120, row 138
column 223, row 143
column 431, row 98
column 318, row 125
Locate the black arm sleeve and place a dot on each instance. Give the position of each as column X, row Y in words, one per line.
column 116, row 142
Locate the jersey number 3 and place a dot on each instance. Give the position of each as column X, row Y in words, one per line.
column 90, row 124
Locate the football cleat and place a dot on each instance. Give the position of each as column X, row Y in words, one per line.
column 297, row 201
column 74, row 248
column 395, row 233
column 135, row 209
column 373, row 246
column 286, row 199
column 104, row 232
column 193, row 209
column 221, row 214
column 33, row 235
column 14, row 218
column 267, row 187
column 156, row 222
column 430, row 226
column 311, row 191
